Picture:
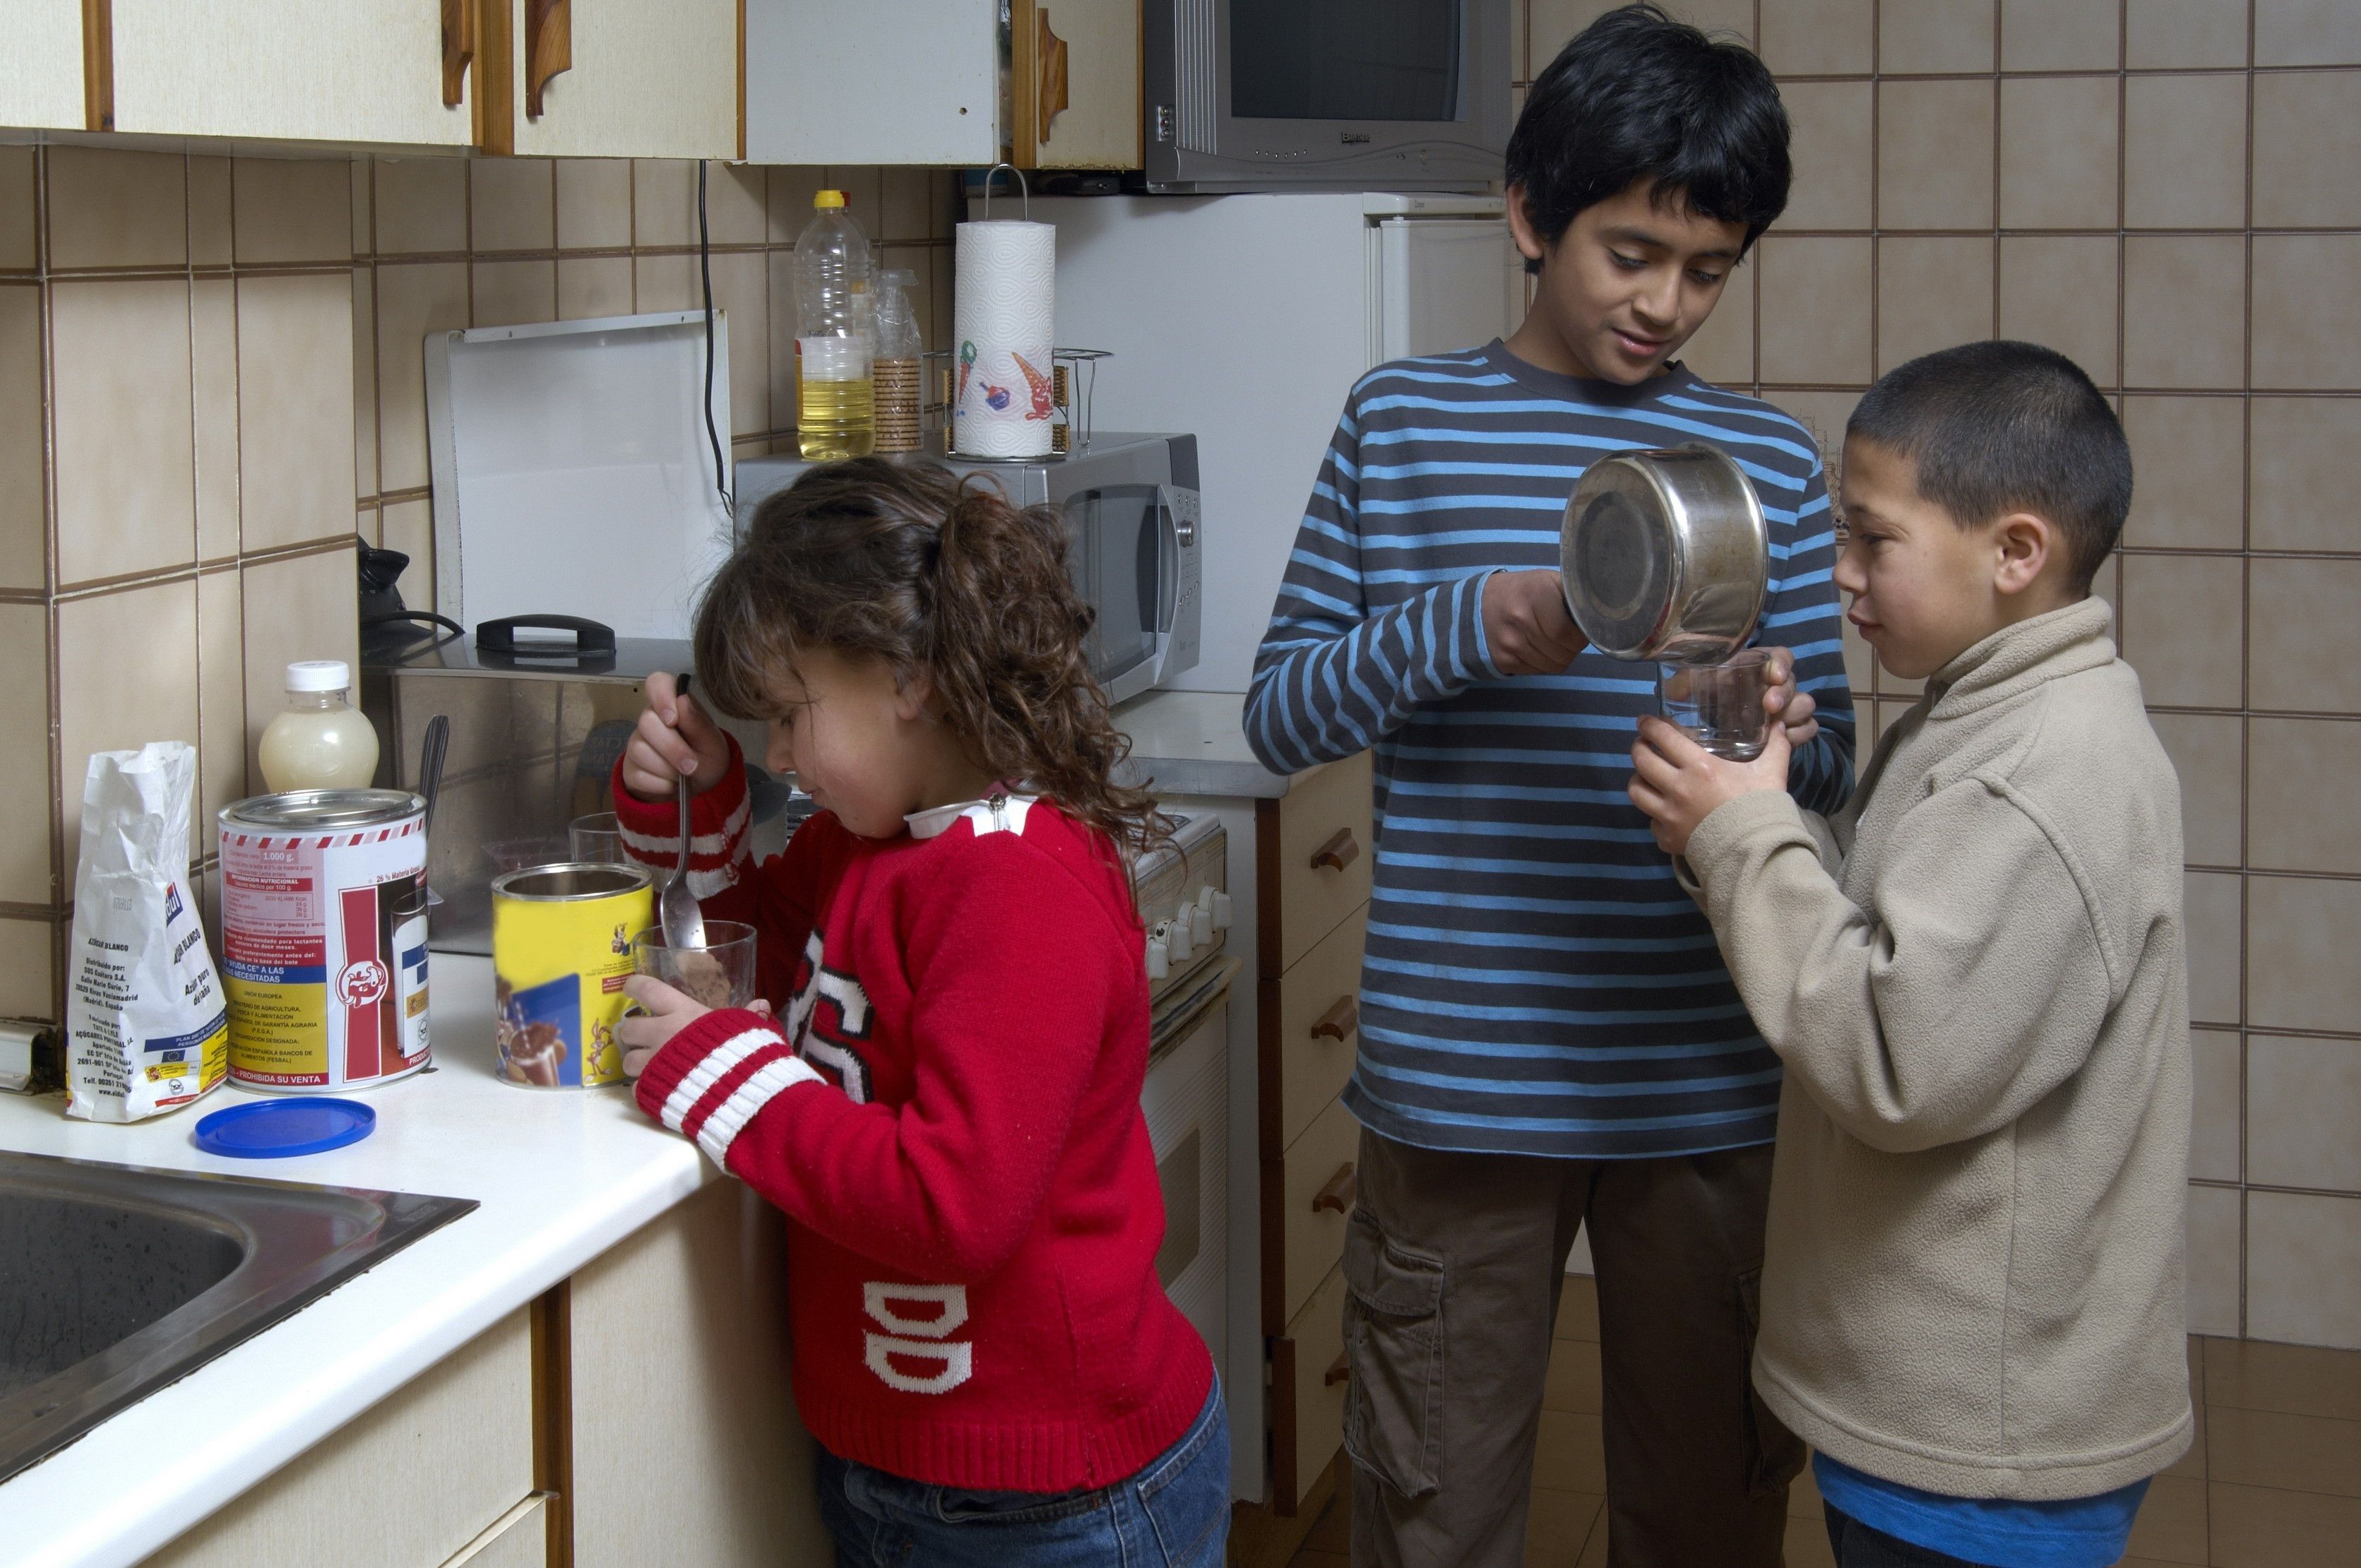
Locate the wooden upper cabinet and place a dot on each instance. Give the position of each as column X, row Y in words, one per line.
column 1073, row 85
column 624, row 78
column 41, row 65
column 362, row 71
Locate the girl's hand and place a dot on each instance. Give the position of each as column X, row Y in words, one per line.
column 664, row 1010
column 674, row 737
column 1678, row 783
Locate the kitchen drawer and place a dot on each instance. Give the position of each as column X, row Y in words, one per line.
column 1303, row 1218
column 1307, row 1391
column 1310, row 1028
column 1314, row 859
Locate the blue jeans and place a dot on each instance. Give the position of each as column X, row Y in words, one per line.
column 1856, row 1545
column 1174, row 1513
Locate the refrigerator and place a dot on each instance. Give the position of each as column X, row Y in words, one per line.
column 1246, row 319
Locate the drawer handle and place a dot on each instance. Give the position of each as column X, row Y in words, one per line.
column 1337, row 1373
column 1338, row 852
column 1338, row 1022
column 1339, row 1193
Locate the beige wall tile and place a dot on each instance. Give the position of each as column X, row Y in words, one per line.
column 127, row 675
column 1819, row 37
column 789, row 190
column 20, row 209
column 302, row 606
column 2185, row 152
column 28, row 970
column 590, row 286
column 221, row 693
column 2304, row 644
column 1934, row 35
column 512, row 204
column 741, row 288
column 664, row 202
column 364, row 380
column 511, row 293
column 422, row 205
column 2208, row 752
column 118, row 209
column 1723, row 349
column 411, row 301
column 2181, row 624
column 2303, row 1099
column 907, row 190
column 594, row 204
column 2058, row 152
column 2184, row 310
column 2213, row 1105
column 24, row 767
column 1832, row 123
column 2307, row 314
column 2298, row 764
column 2213, row 1278
column 2188, row 457
column 1935, row 155
column 2212, row 919
column 1931, row 293
column 2308, row 150
column 408, row 527
column 2303, row 1270
column 2307, row 32
column 734, row 203
column 213, row 369
column 212, row 228
column 2060, row 35
column 2300, row 953
column 295, row 430
column 2061, row 291
column 666, row 282
column 2252, row 1375
column 2166, row 34
column 364, row 191
column 126, row 497
column 23, row 488
column 782, row 277
column 1814, row 310
column 2302, row 476
column 1824, row 415
column 864, row 192
column 294, row 209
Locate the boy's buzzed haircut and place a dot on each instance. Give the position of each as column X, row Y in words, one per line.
column 1637, row 96
column 1997, row 427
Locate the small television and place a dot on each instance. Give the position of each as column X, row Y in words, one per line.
column 1326, row 95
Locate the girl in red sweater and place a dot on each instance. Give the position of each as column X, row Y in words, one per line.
column 946, row 1103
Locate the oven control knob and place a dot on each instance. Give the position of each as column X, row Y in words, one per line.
column 1158, row 961
column 1221, row 912
column 1200, row 925
column 1179, row 943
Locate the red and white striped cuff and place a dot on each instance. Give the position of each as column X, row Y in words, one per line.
column 713, row 858
column 709, row 1096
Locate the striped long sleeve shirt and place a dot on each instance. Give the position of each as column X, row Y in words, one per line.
column 1535, row 980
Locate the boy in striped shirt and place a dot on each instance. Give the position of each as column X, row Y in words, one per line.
column 1548, row 1039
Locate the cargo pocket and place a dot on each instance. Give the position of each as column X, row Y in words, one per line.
column 1393, row 1347
column 1775, row 1457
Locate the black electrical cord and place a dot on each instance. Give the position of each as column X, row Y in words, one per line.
column 705, row 269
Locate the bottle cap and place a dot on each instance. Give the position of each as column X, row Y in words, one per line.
column 319, row 675
column 828, row 198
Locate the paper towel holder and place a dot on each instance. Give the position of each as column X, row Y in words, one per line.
column 1023, row 191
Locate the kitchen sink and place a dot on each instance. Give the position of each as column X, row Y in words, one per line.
column 117, row 1280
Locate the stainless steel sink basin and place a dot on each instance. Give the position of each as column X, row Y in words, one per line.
column 117, row 1280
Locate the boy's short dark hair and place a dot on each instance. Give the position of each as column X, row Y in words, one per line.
column 1998, row 427
column 1637, row 96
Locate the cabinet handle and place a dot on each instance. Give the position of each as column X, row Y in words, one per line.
column 548, row 48
column 1051, row 50
column 1338, row 852
column 1338, row 1372
column 1338, row 1021
column 458, row 49
column 1339, row 1193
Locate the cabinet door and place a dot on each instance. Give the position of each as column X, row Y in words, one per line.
column 40, row 66
column 350, row 70
column 1074, row 83
column 876, row 81
column 624, row 78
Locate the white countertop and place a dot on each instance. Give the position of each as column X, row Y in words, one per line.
column 1194, row 744
column 562, row 1176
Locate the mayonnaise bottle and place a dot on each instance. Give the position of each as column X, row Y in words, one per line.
column 321, row 741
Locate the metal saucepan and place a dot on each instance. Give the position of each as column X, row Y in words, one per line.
column 1666, row 555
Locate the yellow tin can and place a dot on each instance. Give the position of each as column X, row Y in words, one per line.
column 561, row 951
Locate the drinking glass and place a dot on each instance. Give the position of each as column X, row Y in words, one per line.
column 718, row 974
column 1720, row 706
column 598, row 839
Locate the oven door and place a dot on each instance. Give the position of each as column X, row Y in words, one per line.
column 1124, row 553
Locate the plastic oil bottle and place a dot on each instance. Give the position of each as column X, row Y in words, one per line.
column 321, row 741
column 836, row 336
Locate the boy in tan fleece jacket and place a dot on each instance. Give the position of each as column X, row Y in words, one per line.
column 1972, row 1280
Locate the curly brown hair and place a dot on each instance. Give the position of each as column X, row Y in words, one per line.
column 935, row 575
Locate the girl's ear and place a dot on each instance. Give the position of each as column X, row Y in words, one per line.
column 915, row 696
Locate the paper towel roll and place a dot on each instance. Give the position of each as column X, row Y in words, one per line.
column 1006, row 317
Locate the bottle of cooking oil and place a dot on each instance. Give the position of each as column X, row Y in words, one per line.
column 320, row 741
column 836, row 336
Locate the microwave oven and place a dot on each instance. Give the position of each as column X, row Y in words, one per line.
column 1325, row 94
column 1133, row 541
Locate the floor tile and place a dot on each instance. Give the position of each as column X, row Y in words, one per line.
column 2297, row 1454
column 2257, row 1527
column 1571, row 1455
column 1559, row 1527
column 1310, row 1559
column 1573, row 1383
column 1594, row 1551
column 1807, row 1544
column 2192, row 1463
column 2171, row 1523
column 1804, row 1497
column 1577, row 1309
column 2298, row 1379
column 1334, row 1532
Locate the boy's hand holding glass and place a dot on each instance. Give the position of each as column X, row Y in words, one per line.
column 1792, row 708
column 674, row 737
column 1679, row 783
column 1527, row 628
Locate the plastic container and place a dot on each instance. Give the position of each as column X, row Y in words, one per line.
column 896, row 369
column 836, row 336
column 321, row 741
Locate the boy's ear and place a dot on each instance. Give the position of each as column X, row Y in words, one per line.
column 2025, row 545
column 1521, row 228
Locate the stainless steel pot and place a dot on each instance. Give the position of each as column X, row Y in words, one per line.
column 1666, row 555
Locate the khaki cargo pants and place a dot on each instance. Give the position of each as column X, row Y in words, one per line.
column 1453, row 1265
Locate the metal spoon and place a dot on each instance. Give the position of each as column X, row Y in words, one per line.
column 683, row 921
column 430, row 781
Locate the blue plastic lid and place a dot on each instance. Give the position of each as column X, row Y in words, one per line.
column 280, row 1129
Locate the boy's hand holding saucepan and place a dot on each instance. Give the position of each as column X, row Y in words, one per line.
column 1679, row 783
column 675, row 737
